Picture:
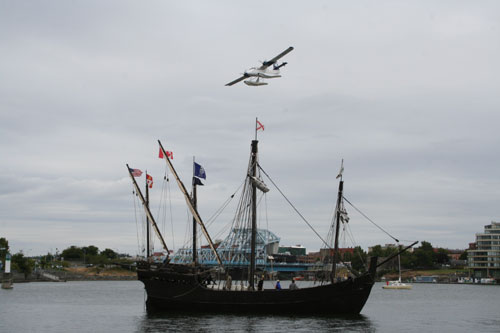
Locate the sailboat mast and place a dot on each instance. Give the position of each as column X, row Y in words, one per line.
column 337, row 228
column 399, row 263
column 254, row 215
column 147, row 219
column 194, row 220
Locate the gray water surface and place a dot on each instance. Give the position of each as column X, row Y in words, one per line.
column 118, row 306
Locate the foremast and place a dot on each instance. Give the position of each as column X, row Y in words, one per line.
column 149, row 216
column 189, row 202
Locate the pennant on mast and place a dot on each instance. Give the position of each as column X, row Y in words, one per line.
column 258, row 127
column 197, row 181
column 149, row 180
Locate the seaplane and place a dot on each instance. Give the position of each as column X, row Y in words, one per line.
column 255, row 74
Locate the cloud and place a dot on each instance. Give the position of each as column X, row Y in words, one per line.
column 405, row 93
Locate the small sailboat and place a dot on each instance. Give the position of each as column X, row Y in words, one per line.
column 397, row 284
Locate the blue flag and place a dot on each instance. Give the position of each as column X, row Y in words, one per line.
column 199, row 171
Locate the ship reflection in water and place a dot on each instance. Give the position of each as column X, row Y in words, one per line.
column 185, row 322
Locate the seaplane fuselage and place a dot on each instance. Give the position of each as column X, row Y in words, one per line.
column 263, row 73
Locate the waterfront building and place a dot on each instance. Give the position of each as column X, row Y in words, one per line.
column 329, row 254
column 297, row 250
column 454, row 254
column 484, row 261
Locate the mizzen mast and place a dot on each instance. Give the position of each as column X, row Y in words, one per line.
column 337, row 227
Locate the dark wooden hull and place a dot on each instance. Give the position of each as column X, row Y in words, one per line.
column 172, row 291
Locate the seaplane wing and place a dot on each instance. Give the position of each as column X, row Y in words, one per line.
column 237, row 80
column 268, row 63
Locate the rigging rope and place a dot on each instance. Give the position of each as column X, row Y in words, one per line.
column 162, row 215
column 136, row 224
column 223, row 206
column 303, row 218
column 351, row 236
column 289, row 202
column 189, row 238
column 169, row 194
column 388, row 234
column 267, row 224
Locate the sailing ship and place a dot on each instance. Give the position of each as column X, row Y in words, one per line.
column 189, row 287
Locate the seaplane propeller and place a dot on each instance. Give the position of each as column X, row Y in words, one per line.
column 276, row 66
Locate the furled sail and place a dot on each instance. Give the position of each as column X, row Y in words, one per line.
column 259, row 184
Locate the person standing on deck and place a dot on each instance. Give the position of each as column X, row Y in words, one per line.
column 278, row 285
column 229, row 280
column 293, row 286
column 260, row 285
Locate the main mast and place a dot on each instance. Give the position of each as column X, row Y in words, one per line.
column 337, row 227
column 254, row 215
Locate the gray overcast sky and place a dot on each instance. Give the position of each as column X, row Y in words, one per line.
column 407, row 92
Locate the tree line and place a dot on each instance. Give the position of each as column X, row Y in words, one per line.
column 422, row 257
column 88, row 255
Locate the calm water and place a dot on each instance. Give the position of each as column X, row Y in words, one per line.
column 118, row 306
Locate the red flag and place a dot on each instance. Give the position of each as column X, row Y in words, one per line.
column 149, row 180
column 169, row 154
column 259, row 126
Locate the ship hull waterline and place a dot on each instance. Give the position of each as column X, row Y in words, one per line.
column 346, row 297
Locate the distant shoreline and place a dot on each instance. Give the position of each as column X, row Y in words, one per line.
column 89, row 278
column 77, row 274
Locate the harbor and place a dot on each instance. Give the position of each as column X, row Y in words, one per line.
column 264, row 166
column 118, row 306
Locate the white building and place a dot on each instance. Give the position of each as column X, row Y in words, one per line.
column 484, row 261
